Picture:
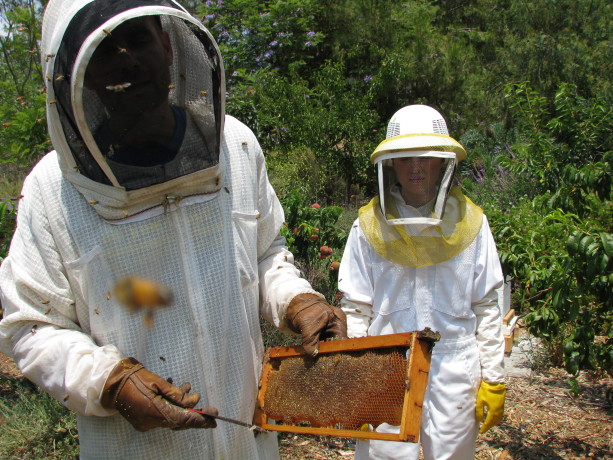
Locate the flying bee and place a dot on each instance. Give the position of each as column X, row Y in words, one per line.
column 119, row 88
column 137, row 293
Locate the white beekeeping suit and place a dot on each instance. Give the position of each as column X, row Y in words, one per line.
column 204, row 223
column 427, row 259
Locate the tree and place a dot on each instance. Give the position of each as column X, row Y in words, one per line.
column 23, row 135
column 558, row 243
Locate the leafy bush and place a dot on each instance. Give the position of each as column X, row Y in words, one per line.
column 557, row 244
column 7, row 226
column 316, row 240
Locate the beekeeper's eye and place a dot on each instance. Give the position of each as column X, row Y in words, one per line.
column 105, row 50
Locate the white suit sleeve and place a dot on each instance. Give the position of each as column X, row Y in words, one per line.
column 490, row 339
column 279, row 279
column 40, row 329
column 355, row 283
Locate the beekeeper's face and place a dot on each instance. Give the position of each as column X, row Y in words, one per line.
column 419, row 178
column 130, row 68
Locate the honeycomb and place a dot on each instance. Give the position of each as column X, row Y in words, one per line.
column 344, row 390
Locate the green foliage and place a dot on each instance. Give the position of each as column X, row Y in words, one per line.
column 263, row 34
column 557, row 244
column 34, row 425
column 327, row 118
column 525, row 85
column 297, row 170
column 483, row 176
column 7, row 226
column 309, row 228
column 23, row 135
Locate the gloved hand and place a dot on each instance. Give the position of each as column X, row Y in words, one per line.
column 490, row 395
column 148, row 401
column 315, row 319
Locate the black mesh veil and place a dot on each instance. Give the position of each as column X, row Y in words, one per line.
column 140, row 93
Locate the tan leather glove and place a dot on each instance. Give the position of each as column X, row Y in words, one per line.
column 315, row 319
column 490, row 395
column 148, row 401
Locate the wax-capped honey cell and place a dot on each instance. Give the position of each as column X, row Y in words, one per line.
column 345, row 390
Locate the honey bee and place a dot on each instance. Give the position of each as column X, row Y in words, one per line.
column 96, row 311
column 137, row 293
column 171, row 86
column 45, row 302
column 119, row 88
column 47, row 311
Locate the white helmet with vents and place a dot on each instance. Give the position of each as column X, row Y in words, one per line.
column 416, row 164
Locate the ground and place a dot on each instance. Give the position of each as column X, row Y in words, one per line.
column 543, row 420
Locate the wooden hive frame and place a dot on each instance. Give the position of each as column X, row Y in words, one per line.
column 419, row 348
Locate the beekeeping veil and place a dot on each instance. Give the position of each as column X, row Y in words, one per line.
column 416, row 161
column 135, row 101
column 418, row 218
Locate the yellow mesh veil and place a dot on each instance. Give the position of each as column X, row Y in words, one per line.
column 461, row 224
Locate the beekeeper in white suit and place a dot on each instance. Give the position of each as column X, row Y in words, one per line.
column 149, row 180
column 421, row 254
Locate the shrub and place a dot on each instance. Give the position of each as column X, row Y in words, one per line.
column 310, row 226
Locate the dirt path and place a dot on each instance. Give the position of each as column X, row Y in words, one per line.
column 543, row 420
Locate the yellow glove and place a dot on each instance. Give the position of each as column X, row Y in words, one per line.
column 490, row 395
